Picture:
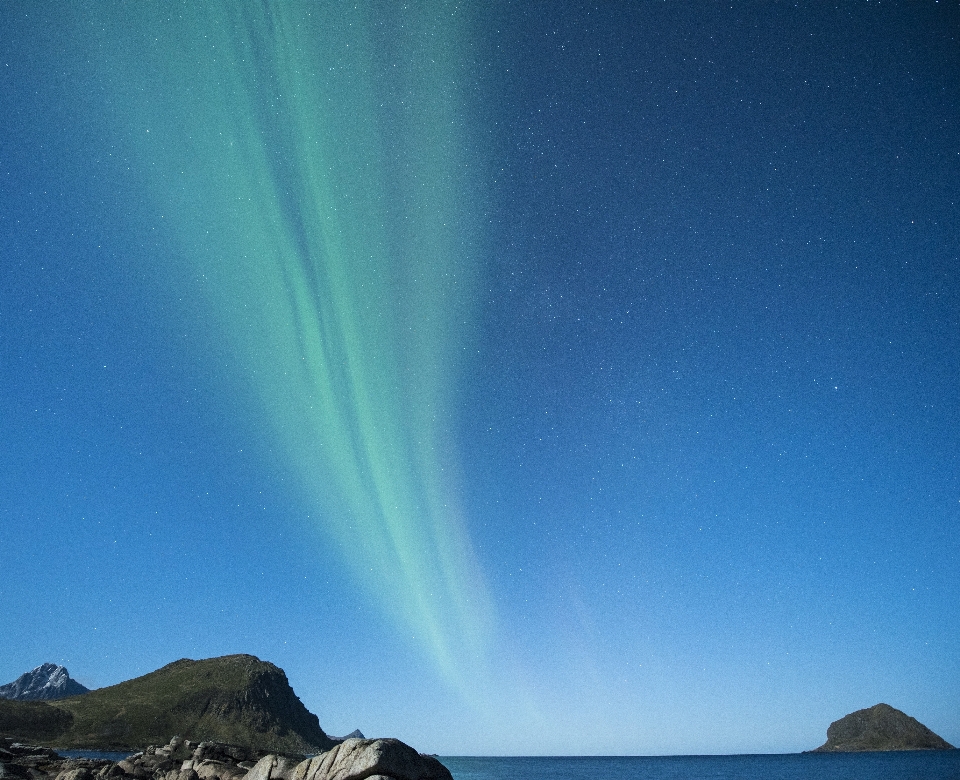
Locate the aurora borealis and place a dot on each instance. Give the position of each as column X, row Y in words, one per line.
column 519, row 382
column 314, row 171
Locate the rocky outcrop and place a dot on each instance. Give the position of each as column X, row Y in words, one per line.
column 354, row 759
column 46, row 682
column 273, row 767
column 30, row 762
column 880, row 727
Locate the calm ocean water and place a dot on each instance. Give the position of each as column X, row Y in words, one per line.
column 926, row 765
column 919, row 765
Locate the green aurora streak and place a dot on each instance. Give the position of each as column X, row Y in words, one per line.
column 311, row 158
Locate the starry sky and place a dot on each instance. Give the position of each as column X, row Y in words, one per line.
column 533, row 381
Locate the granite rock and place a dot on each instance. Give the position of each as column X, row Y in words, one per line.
column 360, row 759
column 353, row 759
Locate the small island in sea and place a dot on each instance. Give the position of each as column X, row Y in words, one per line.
column 880, row 727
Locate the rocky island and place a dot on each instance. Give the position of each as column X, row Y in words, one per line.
column 880, row 727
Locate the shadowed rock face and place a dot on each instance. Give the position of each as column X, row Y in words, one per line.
column 880, row 727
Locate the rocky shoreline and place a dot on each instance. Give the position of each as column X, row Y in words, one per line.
column 352, row 759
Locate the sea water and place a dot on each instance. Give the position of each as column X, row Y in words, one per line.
column 912, row 765
column 908, row 765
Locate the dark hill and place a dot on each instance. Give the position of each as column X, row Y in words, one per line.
column 237, row 699
column 880, row 727
column 32, row 721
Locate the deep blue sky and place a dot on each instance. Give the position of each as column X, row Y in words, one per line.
column 706, row 426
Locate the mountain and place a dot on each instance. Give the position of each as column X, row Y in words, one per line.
column 236, row 699
column 47, row 681
column 355, row 734
column 880, row 727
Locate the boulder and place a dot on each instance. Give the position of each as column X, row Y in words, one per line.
column 218, row 770
column 79, row 768
column 111, row 772
column 362, row 759
column 132, row 767
column 272, row 767
column 20, row 750
column 80, row 773
column 10, row 771
column 225, row 753
column 156, row 763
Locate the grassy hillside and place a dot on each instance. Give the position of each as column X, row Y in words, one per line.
column 33, row 721
column 237, row 699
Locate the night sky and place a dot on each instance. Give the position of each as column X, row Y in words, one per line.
column 525, row 379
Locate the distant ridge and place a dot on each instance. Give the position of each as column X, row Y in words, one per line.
column 46, row 682
column 235, row 699
column 355, row 734
column 880, row 727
